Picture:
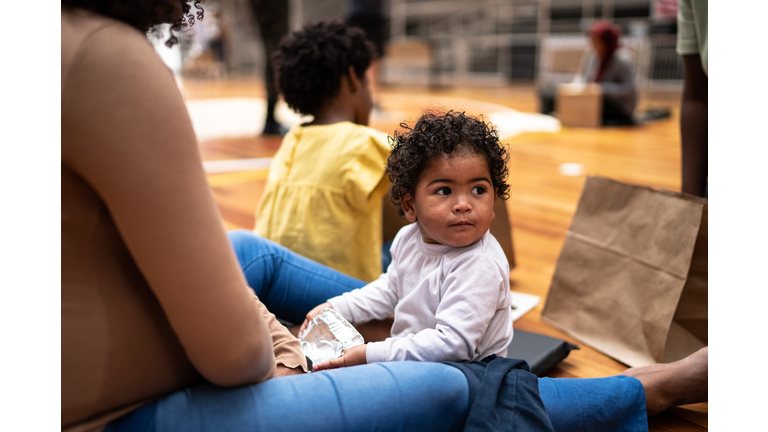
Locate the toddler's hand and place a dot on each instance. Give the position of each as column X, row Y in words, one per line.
column 313, row 313
column 352, row 357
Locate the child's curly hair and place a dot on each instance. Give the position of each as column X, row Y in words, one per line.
column 435, row 134
column 310, row 62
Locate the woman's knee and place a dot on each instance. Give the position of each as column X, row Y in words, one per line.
column 609, row 403
column 405, row 396
column 453, row 388
column 439, row 389
column 250, row 247
column 243, row 239
column 446, row 397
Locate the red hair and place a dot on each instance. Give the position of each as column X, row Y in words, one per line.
column 609, row 35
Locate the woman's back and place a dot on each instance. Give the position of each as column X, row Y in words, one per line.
column 117, row 346
column 152, row 296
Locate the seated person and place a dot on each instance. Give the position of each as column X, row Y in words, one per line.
column 448, row 284
column 323, row 197
column 608, row 66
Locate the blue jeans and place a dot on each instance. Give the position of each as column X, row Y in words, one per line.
column 288, row 284
column 400, row 396
column 386, row 255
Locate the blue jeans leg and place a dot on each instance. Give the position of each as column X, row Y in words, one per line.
column 288, row 284
column 397, row 396
column 400, row 396
column 386, row 255
column 615, row 403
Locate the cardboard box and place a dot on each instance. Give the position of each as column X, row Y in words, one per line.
column 579, row 105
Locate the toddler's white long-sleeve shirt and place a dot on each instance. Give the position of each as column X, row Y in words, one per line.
column 450, row 304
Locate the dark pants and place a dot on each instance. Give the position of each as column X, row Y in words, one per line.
column 614, row 114
column 272, row 18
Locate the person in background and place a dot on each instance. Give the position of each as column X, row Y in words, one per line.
column 692, row 45
column 272, row 18
column 219, row 33
column 369, row 15
column 323, row 197
column 608, row 66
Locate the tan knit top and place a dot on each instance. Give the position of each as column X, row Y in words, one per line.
column 152, row 296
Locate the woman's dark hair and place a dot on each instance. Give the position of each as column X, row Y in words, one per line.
column 441, row 134
column 310, row 62
column 142, row 15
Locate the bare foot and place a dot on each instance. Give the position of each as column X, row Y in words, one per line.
column 672, row 384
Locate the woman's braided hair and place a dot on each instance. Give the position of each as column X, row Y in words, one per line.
column 142, row 15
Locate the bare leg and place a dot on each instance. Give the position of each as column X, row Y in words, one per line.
column 672, row 384
column 693, row 127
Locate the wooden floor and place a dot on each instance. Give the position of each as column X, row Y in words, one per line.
column 542, row 200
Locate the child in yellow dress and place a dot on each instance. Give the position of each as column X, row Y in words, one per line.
column 323, row 197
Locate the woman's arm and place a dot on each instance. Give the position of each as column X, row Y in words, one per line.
column 126, row 131
column 586, row 66
column 622, row 79
column 289, row 357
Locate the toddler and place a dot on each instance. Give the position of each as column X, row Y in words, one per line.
column 323, row 197
column 448, row 283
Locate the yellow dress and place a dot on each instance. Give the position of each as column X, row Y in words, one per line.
column 323, row 196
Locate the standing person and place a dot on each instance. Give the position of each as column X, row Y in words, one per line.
column 448, row 284
column 369, row 15
column 219, row 34
column 272, row 18
column 159, row 328
column 692, row 45
column 323, row 197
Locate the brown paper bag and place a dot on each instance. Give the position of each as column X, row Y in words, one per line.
column 631, row 278
column 500, row 227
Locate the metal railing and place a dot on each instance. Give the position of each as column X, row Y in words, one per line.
column 494, row 41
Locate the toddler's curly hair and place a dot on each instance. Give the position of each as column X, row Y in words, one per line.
column 413, row 148
column 310, row 62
